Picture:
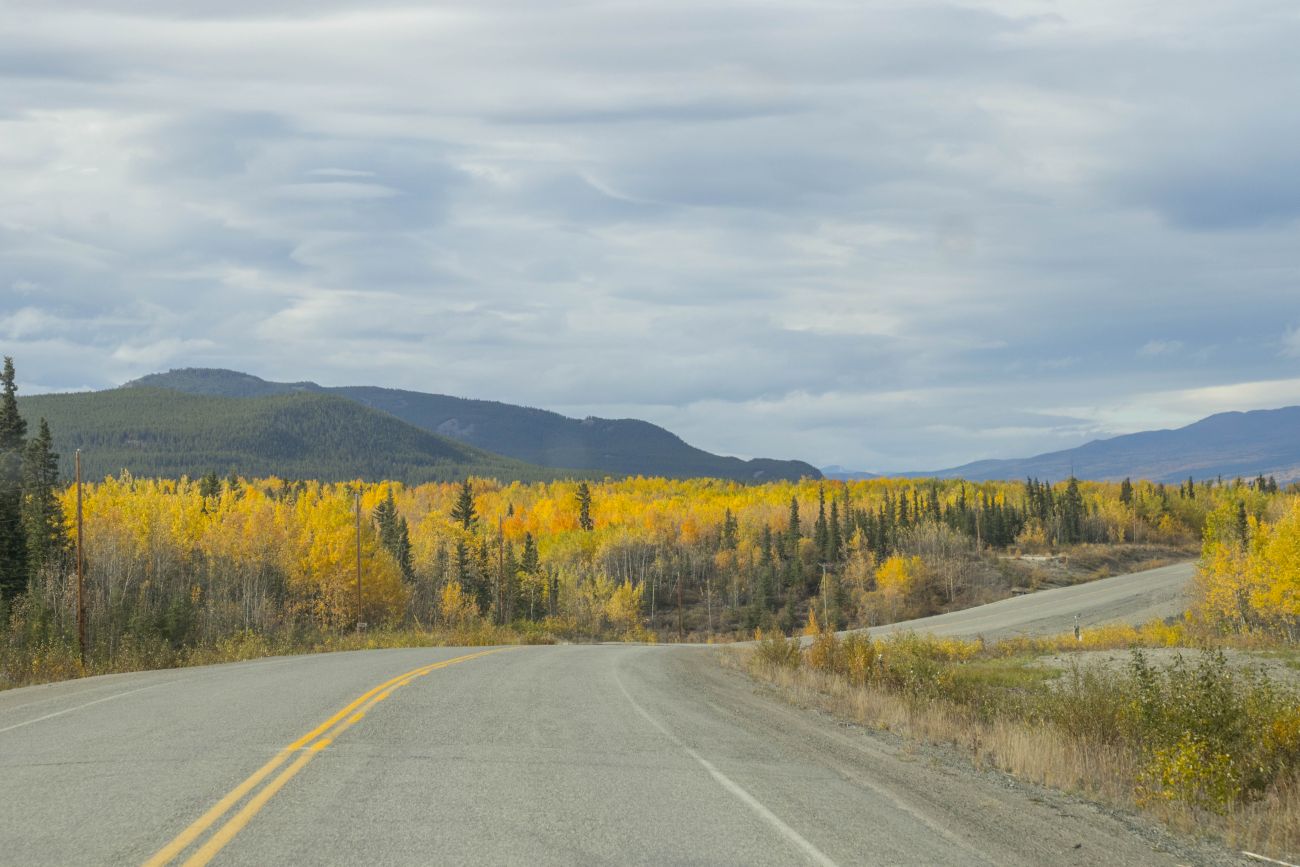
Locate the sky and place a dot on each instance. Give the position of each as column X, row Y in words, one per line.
column 882, row 235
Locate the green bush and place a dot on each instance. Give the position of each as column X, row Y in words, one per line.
column 776, row 650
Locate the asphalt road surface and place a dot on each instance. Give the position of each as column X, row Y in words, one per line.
column 1135, row 598
column 609, row 754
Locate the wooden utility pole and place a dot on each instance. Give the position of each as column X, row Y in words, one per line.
column 826, row 611
column 501, row 566
column 81, row 574
column 360, row 623
column 681, row 630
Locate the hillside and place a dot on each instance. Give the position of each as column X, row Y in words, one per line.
column 614, row 446
column 1229, row 444
column 159, row 432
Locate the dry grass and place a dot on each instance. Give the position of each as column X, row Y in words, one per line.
column 59, row 661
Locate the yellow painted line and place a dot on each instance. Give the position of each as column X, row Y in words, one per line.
column 357, row 708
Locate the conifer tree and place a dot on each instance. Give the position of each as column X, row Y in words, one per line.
column 792, row 533
column 730, row 529
column 403, row 552
column 484, row 570
column 846, row 513
column 834, row 541
column 1126, row 492
column 462, row 568
column 463, row 511
column 42, row 514
column 210, row 486
column 584, row 506
column 1072, row 513
column 394, row 534
column 530, row 562
column 13, row 541
column 385, row 518
column 821, row 531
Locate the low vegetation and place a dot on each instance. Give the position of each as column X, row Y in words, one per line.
column 1206, row 745
column 1203, row 745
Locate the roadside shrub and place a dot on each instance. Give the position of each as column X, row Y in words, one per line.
column 1192, row 772
column 775, row 649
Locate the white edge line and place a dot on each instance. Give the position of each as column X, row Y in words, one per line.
column 814, row 854
column 80, row 706
column 196, row 671
column 1266, row 859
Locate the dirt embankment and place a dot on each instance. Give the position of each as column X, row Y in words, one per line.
column 1082, row 563
column 1279, row 667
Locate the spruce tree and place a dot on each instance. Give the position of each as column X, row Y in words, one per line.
column 484, row 569
column 385, row 518
column 1072, row 513
column 1126, row 492
column 463, row 511
column 403, row 552
column 846, row 513
column 729, row 538
column 584, row 506
column 210, row 487
column 821, row 530
column 42, row 514
column 13, row 541
column 792, row 533
column 834, row 541
column 530, row 562
column 462, row 567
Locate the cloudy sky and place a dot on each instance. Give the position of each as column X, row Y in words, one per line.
column 886, row 235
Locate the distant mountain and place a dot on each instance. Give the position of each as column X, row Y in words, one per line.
column 1229, row 444
column 835, row 471
column 535, row 436
column 163, row 432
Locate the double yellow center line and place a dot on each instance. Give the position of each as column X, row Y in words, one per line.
column 310, row 745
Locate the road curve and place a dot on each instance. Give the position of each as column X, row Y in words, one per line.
column 1134, row 598
column 531, row 755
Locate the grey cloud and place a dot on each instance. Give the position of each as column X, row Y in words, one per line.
column 884, row 236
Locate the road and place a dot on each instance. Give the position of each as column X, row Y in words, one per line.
column 1135, row 598
column 607, row 754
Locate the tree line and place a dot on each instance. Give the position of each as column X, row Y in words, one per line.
column 178, row 564
column 33, row 539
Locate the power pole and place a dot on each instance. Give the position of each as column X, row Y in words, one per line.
column 360, row 623
column 681, row 630
column 81, row 576
column 501, row 566
column 826, row 614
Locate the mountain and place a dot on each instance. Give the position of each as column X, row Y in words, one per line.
column 162, row 432
column 536, row 436
column 1229, row 444
column 835, row 471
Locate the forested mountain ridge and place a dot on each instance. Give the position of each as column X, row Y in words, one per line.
column 536, row 436
column 162, row 432
column 1229, row 444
